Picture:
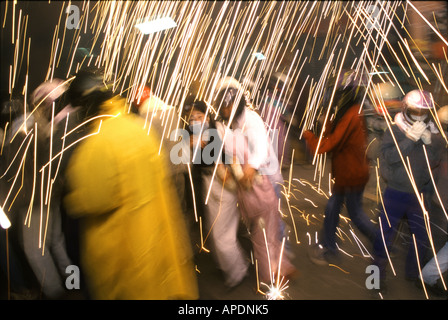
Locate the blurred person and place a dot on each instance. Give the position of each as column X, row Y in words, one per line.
column 276, row 114
column 430, row 272
column 345, row 137
column 413, row 131
column 38, row 201
column 255, row 167
column 20, row 282
column 162, row 118
column 222, row 215
column 70, row 128
column 385, row 101
column 134, row 244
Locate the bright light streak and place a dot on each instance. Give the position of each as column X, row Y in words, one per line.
column 4, row 221
column 419, row 268
column 157, row 25
column 385, row 247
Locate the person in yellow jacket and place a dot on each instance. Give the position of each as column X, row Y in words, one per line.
column 134, row 243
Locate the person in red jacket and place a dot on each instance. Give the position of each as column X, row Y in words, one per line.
column 345, row 138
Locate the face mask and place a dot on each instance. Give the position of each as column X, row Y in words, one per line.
column 195, row 126
column 419, row 118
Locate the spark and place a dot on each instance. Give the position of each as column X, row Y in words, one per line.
column 314, row 205
column 427, row 22
column 385, row 247
column 333, row 265
column 419, row 268
column 201, row 233
column 279, row 284
column 343, row 251
column 365, row 253
column 207, row 33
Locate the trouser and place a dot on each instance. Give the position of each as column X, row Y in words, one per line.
column 259, row 210
column 46, row 251
column 399, row 205
column 223, row 219
column 353, row 201
column 430, row 272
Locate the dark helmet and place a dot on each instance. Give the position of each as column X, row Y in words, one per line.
column 88, row 91
column 349, row 91
column 229, row 91
column 192, row 103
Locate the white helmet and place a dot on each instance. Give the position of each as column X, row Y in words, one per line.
column 416, row 106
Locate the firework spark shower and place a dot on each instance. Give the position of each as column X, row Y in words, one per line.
column 308, row 43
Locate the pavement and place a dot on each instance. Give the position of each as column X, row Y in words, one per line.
column 344, row 280
column 303, row 214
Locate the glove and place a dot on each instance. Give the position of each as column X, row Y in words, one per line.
column 426, row 137
column 415, row 132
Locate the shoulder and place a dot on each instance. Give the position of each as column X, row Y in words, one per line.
column 252, row 117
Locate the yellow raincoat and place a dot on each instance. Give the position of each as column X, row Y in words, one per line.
column 134, row 241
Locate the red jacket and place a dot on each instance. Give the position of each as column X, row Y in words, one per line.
column 347, row 143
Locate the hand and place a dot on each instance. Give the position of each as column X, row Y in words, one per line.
column 223, row 173
column 248, row 176
column 416, row 131
column 426, row 137
column 225, row 176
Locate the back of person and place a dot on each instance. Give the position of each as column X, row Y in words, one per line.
column 349, row 162
column 134, row 241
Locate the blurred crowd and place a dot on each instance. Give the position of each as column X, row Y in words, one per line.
column 112, row 187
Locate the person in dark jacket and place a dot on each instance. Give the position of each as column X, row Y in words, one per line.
column 345, row 138
column 410, row 145
column 221, row 208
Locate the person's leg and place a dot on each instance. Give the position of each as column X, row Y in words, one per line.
column 357, row 215
column 430, row 272
column 57, row 245
column 223, row 219
column 389, row 220
column 259, row 210
column 417, row 227
column 331, row 220
column 39, row 256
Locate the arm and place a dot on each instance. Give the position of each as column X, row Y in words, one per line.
column 389, row 148
column 92, row 180
column 333, row 140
